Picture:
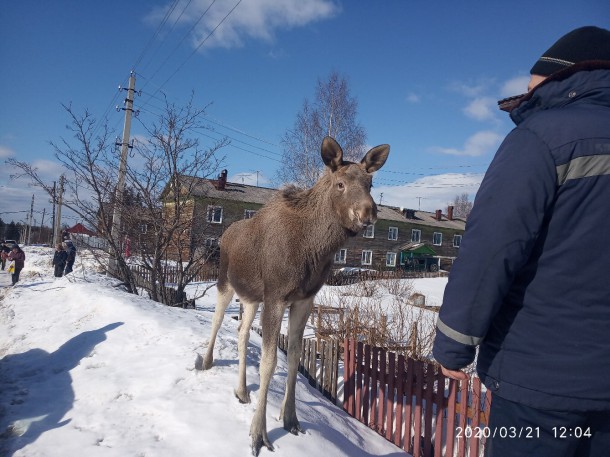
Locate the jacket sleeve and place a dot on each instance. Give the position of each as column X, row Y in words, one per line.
column 506, row 218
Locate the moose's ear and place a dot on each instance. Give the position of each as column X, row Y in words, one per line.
column 332, row 154
column 375, row 158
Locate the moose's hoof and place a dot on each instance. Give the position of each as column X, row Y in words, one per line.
column 258, row 442
column 199, row 362
column 294, row 428
column 242, row 395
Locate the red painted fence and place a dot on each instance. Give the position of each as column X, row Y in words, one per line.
column 412, row 404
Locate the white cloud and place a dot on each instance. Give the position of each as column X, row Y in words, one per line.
column 515, row 86
column 413, row 98
column 257, row 19
column 481, row 109
column 6, row 152
column 429, row 193
column 479, row 144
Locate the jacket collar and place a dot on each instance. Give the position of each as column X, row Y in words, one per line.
column 545, row 95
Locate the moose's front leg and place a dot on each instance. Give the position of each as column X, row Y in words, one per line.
column 271, row 320
column 250, row 309
column 299, row 312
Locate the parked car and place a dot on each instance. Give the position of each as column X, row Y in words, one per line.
column 10, row 243
column 351, row 271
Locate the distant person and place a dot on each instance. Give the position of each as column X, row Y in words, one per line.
column 5, row 250
column 18, row 256
column 530, row 287
column 59, row 260
column 71, row 258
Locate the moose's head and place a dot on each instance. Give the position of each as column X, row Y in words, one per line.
column 350, row 184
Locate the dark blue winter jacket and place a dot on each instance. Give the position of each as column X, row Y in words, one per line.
column 531, row 284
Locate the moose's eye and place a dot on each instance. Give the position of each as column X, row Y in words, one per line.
column 340, row 186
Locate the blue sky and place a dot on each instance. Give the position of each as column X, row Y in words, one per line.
column 427, row 76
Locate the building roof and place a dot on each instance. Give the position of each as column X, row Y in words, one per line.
column 202, row 187
column 80, row 228
column 393, row 213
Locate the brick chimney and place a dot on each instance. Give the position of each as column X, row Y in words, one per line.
column 222, row 180
column 439, row 214
column 450, row 213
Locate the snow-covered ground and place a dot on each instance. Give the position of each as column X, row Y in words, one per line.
column 89, row 370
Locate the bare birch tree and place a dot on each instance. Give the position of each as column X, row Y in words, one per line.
column 333, row 113
column 461, row 206
column 90, row 160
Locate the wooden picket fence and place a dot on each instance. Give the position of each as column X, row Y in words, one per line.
column 412, row 404
column 409, row 402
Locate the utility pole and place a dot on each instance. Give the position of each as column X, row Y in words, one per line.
column 53, row 215
column 120, row 187
column 29, row 238
column 60, row 198
column 41, row 225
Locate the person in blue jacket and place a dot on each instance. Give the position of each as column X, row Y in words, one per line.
column 59, row 260
column 531, row 285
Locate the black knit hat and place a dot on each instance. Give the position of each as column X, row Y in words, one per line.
column 580, row 45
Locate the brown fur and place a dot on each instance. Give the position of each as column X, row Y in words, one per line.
column 281, row 257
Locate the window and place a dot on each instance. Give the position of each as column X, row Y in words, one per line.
column 415, row 236
column 215, row 214
column 341, row 256
column 249, row 213
column 369, row 231
column 143, row 229
column 393, row 233
column 367, row 257
column 457, row 241
column 437, row 238
column 390, row 259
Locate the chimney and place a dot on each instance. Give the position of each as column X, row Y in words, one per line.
column 409, row 213
column 450, row 213
column 439, row 214
column 222, row 180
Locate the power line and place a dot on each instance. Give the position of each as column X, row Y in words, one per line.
column 154, row 36
column 184, row 37
column 200, row 44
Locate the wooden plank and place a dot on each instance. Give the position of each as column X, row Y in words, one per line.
column 463, row 416
column 408, row 411
column 323, row 386
column 313, row 359
column 428, row 396
column 417, row 417
column 374, row 388
column 391, row 397
column 451, row 411
column 359, row 375
column 336, row 347
column 366, row 386
column 382, row 392
column 348, row 374
column 476, row 405
column 439, row 402
column 400, row 398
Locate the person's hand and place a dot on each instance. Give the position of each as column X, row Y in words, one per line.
column 458, row 375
